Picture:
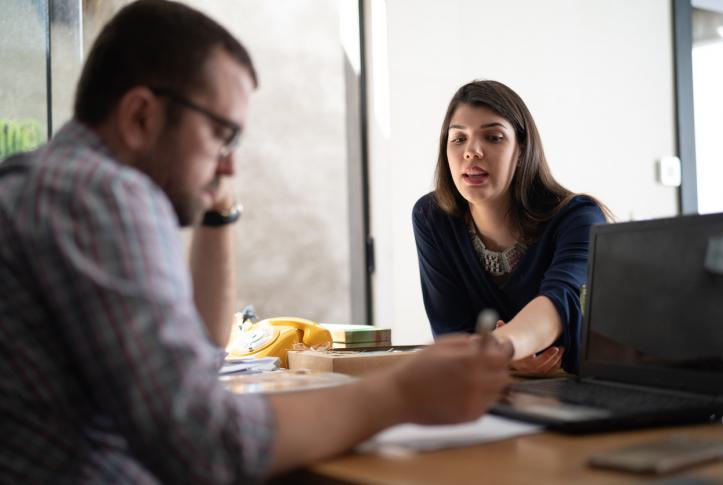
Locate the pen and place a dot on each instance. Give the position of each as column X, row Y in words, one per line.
column 487, row 321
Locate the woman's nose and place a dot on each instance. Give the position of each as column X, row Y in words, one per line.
column 473, row 152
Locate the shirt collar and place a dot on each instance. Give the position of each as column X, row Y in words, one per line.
column 76, row 132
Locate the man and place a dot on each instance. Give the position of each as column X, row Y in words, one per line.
column 108, row 368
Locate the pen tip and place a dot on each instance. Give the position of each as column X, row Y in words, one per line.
column 487, row 320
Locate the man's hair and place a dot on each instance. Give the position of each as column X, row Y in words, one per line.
column 155, row 43
column 535, row 195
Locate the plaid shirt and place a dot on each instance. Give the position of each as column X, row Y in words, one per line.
column 106, row 372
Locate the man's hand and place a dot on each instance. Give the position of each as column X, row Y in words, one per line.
column 223, row 198
column 451, row 381
column 455, row 380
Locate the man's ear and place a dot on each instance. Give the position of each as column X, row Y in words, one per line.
column 141, row 117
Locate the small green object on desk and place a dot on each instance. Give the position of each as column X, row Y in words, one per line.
column 215, row 218
column 348, row 333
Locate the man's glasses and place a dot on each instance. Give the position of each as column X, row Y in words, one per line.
column 230, row 142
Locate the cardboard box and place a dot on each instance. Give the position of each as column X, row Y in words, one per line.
column 347, row 362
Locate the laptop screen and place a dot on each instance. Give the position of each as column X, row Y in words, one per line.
column 654, row 312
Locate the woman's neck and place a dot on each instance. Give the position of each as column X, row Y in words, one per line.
column 493, row 225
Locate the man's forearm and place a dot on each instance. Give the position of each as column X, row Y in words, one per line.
column 318, row 424
column 214, row 279
column 452, row 381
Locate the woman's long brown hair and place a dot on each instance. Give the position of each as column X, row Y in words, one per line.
column 535, row 195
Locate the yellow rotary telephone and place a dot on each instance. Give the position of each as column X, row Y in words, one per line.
column 274, row 337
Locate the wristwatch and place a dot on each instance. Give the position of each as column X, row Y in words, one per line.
column 217, row 218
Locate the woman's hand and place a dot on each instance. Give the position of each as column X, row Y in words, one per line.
column 539, row 364
column 543, row 363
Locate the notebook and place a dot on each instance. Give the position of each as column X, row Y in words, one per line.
column 652, row 335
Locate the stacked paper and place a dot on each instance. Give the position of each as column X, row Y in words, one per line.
column 250, row 365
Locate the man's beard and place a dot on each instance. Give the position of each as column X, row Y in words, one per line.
column 157, row 163
column 189, row 209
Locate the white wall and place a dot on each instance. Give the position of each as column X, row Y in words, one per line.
column 597, row 76
column 292, row 248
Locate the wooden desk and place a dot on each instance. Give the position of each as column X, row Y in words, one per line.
column 540, row 459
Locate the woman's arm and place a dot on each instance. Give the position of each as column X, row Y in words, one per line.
column 534, row 328
column 555, row 316
column 445, row 300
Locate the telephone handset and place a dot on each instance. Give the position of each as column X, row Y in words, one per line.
column 274, row 337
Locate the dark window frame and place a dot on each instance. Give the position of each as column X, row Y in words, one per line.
column 685, row 121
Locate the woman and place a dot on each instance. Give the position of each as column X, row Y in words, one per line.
column 499, row 232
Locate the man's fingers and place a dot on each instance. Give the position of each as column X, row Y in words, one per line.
column 508, row 350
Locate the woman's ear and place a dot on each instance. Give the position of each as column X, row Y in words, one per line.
column 140, row 119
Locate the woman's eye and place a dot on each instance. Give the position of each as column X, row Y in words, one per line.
column 496, row 138
column 456, row 140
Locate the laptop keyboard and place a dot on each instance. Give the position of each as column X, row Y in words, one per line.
column 628, row 400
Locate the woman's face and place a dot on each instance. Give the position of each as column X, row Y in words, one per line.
column 482, row 153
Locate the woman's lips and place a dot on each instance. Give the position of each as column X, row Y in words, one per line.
column 475, row 178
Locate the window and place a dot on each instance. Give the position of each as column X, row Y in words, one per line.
column 698, row 58
column 708, row 105
column 23, row 82
column 299, row 173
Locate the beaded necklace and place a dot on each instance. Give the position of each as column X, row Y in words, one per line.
column 496, row 263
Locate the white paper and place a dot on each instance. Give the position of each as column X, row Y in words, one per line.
column 413, row 437
column 250, row 365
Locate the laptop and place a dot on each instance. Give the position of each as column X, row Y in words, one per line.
column 652, row 346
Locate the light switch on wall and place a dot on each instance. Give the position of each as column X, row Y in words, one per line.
column 668, row 171
column 714, row 255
